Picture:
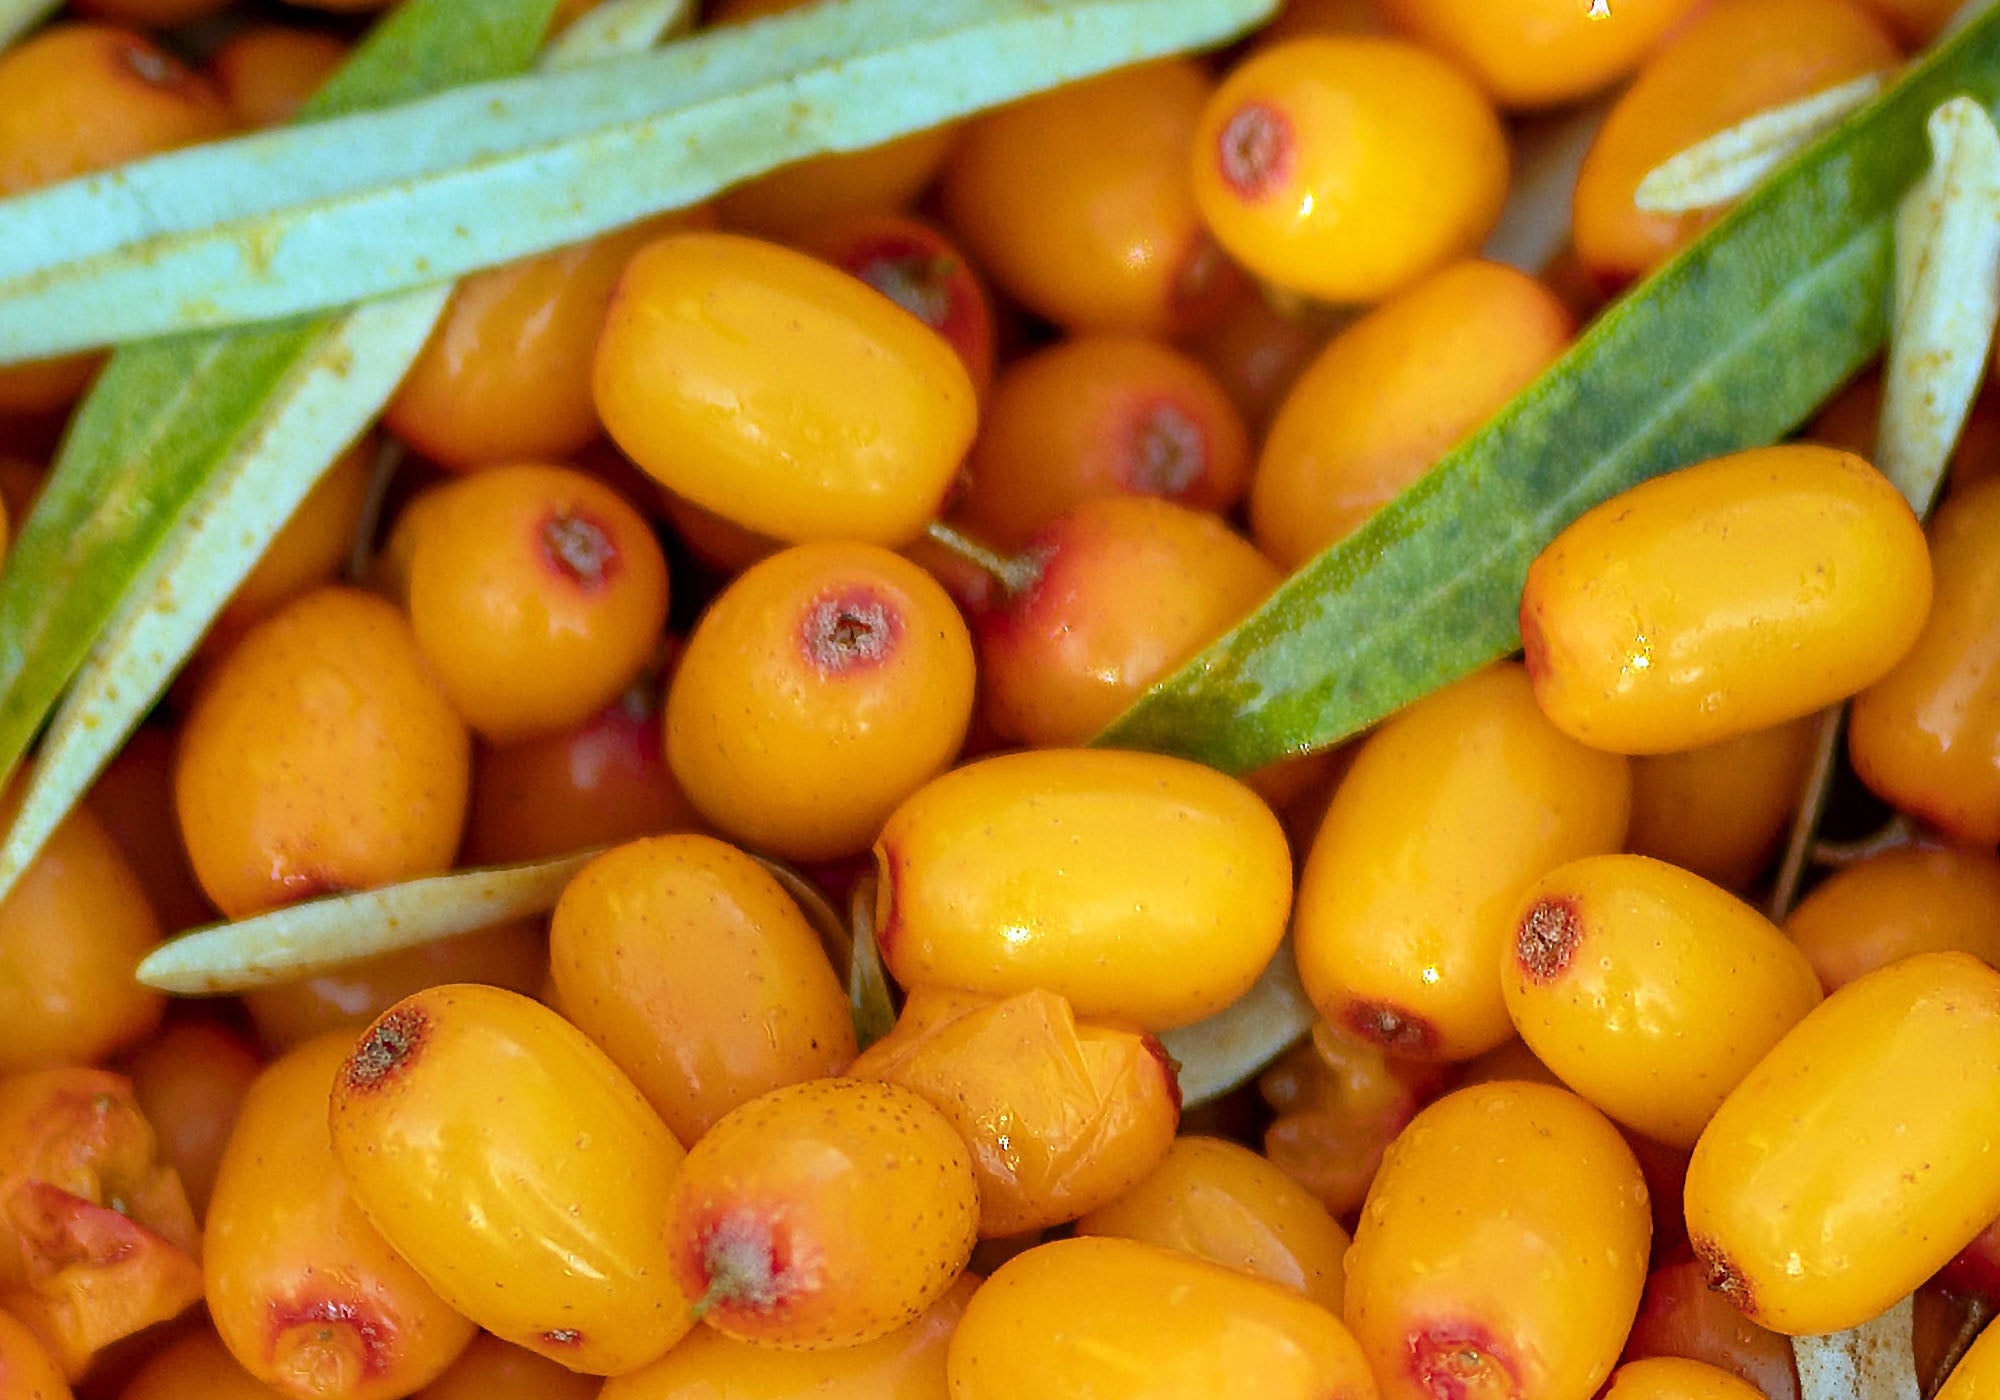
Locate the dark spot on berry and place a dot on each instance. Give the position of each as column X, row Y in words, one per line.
column 1462, row 1361
column 1255, row 149
column 322, row 1337
column 1169, row 452
column 579, row 548
column 1723, row 1275
column 1392, row 1028
column 1169, row 1066
column 849, row 630
column 1547, row 938
column 563, row 1337
column 386, row 1048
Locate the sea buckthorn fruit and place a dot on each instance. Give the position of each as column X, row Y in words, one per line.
column 823, row 1214
column 518, row 1170
column 689, row 964
column 1539, row 53
column 1719, row 810
column 1060, row 1116
column 1346, row 168
column 310, row 1299
column 1119, row 1319
column 1502, row 1249
column 1681, row 1316
column 1724, row 598
column 1855, row 1159
column 1677, row 1378
column 1900, row 902
column 1451, row 809
column 1138, row 887
column 1649, row 990
column 711, row 374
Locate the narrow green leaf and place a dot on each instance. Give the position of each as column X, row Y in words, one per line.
column 335, row 212
column 1730, row 345
column 870, row 1001
column 190, row 453
column 17, row 17
column 618, row 27
column 1729, row 164
column 1222, row 1052
column 302, row 940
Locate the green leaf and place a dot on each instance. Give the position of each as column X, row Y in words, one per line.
column 1222, row 1052
column 17, row 17
column 379, row 202
column 189, row 454
column 302, row 940
column 1731, row 345
column 619, row 27
column 870, row 1000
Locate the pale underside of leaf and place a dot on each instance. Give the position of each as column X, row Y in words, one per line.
column 1947, row 301
column 1875, row 1361
column 618, row 27
column 378, row 202
column 1548, row 154
column 17, row 17
column 345, row 369
column 303, row 940
column 1729, row 164
column 1225, row 1050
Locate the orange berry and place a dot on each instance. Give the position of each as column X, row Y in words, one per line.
column 97, row 1241
column 1077, row 202
column 1915, row 22
column 821, row 688
column 26, row 1367
column 1674, row 1378
column 537, row 595
column 1256, row 352
column 1138, row 887
column 922, row 271
column 1893, row 905
column 692, row 967
column 823, row 1214
column 1926, row 736
column 1449, row 812
column 1502, row 1250
column 1217, row 1201
column 1347, row 168
column 1302, row 18
column 511, row 955
column 1681, row 1316
column 312, row 545
column 597, row 783
column 189, row 1080
column 72, row 930
column 701, row 320
column 906, row 1364
column 1720, row 810
column 1393, row 392
column 1101, row 415
column 1127, row 588
column 807, row 195
column 505, row 376
column 491, row 1369
column 309, row 1298
column 1649, row 990
column 197, row 1366
column 519, row 1171
column 1724, row 598
column 1539, row 53
column 320, row 755
column 267, row 71
column 134, row 800
column 1117, row 1319
column 1061, row 1116
column 1695, row 86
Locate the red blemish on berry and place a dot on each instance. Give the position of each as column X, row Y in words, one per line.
column 1169, row 1066
column 578, row 547
column 1547, row 938
column 1391, row 1027
column 301, row 885
column 1167, row 451
column 1461, row 1361
column 387, row 1048
column 1255, row 149
column 329, row 1340
column 567, row 1337
column 888, row 913
column 1725, row 1277
column 850, row 629
column 748, row 1261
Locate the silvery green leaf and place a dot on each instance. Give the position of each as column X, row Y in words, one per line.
column 378, row 202
column 1224, row 1051
column 1729, row 164
column 618, row 27
column 302, row 940
column 1875, row 1361
column 17, row 17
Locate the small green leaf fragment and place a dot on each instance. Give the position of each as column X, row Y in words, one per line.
column 17, row 17
column 1729, row 164
column 1225, row 1050
column 1875, row 1361
column 869, row 998
column 1947, row 301
column 303, row 940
